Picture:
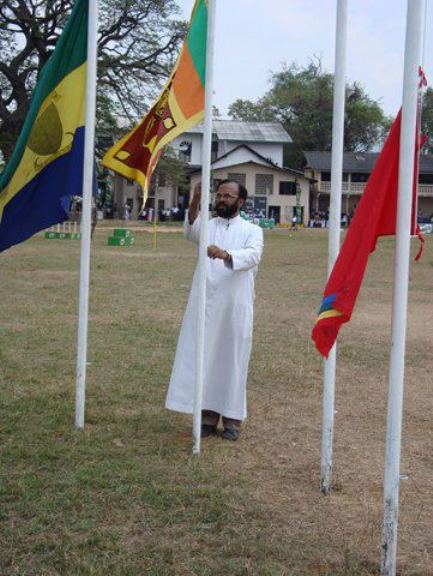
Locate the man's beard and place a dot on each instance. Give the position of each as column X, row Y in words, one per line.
column 226, row 211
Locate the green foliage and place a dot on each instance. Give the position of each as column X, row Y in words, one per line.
column 106, row 128
column 302, row 100
column 173, row 169
column 137, row 43
column 248, row 111
column 427, row 119
column 365, row 123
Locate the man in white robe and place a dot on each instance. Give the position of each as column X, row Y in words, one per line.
column 234, row 251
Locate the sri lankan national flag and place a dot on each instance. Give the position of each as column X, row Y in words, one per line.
column 46, row 167
column 180, row 106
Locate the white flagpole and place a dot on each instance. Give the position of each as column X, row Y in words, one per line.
column 401, row 285
column 89, row 146
column 334, row 234
column 205, row 196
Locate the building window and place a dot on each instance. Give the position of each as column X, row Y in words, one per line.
column 426, row 179
column 152, row 185
column 214, row 153
column 162, row 180
column 264, row 184
column 359, row 177
column 185, row 151
column 241, row 178
column 326, row 176
column 288, row 188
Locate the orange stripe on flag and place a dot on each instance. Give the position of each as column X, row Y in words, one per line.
column 187, row 87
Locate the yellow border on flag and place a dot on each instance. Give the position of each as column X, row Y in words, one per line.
column 69, row 102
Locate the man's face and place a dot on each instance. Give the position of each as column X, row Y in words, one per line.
column 227, row 201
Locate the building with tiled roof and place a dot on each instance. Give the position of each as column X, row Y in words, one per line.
column 357, row 167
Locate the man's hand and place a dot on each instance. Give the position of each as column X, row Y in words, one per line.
column 195, row 204
column 215, row 252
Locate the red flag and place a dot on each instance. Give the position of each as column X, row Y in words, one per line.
column 375, row 216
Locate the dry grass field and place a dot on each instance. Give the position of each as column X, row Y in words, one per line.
column 126, row 497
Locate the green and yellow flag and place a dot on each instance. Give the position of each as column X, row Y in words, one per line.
column 46, row 167
column 180, row 106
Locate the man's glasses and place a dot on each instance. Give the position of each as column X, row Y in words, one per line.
column 225, row 196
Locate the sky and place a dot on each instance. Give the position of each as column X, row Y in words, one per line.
column 255, row 37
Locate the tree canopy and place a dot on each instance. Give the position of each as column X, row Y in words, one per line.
column 427, row 120
column 302, row 100
column 137, row 42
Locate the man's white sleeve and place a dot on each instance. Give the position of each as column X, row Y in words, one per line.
column 249, row 256
column 192, row 231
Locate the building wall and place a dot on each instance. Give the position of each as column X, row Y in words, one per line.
column 128, row 192
column 425, row 206
column 269, row 150
column 166, row 197
column 274, row 199
column 196, row 144
column 241, row 156
column 352, row 194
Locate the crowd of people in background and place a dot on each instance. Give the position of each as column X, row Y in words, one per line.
column 174, row 214
column 320, row 219
column 423, row 219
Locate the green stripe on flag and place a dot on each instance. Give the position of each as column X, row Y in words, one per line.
column 69, row 54
column 197, row 40
column 71, row 49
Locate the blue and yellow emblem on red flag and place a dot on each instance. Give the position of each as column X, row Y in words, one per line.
column 46, row 167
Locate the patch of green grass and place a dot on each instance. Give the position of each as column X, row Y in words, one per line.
column 125, row 496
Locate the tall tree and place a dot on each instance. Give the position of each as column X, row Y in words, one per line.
column 427, row 120
column 365, row 123
column 137, row 42
column 302, row 100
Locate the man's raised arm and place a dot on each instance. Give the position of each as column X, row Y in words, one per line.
column 191, row 225
column 195, row 204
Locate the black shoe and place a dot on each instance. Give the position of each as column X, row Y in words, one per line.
column 230, row 434
column 208, row 430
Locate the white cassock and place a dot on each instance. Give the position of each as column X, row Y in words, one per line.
column 228, row 324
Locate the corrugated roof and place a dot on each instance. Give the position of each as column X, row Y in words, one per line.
column 357, row 161
column 253, row 153
column 237, row 131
